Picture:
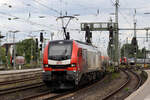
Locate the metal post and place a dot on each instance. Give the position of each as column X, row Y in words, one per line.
column 14, row 48
column 146, row 35
column 144, row 55
column 124, row 51
column 0, row 49
column 7, row 65
column 111, row 45
column 134, row 23
column 116, row 35
column 134, row 29
column 134, row 20
column 41, row 55
column 14, row 51
column 31, row 51
column 127, row 50
column 52, row 34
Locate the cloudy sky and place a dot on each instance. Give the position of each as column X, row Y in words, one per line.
column 31, row 16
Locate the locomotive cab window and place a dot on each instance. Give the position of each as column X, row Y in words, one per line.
column 60, row 50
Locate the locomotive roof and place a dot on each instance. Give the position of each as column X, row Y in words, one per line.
column 85, row 43
column 61, row 40
column 76, row 41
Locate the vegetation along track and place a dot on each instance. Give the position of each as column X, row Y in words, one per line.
column 123, row 86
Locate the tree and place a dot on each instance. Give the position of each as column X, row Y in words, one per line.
column 27, row 48
column 140, row 54
column 2, row 55
column 3, row 58
column 127, row 51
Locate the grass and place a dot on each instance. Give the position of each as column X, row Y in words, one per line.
column 111, row 69
column 113, row 76
column 126, row 89
column 123, row 66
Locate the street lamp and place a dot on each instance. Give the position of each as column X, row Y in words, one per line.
column 14, row 47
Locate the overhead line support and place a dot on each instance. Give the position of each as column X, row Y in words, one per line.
column 116, row 35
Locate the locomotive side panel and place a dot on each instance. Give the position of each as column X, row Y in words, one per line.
column 91, row 58
column 98, row 61
column 85, row 60
column 93, row 61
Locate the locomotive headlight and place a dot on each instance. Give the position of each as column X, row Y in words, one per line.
column 73, row 65
column 74, row 71
column 45, row 65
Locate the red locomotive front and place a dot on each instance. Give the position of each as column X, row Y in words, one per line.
column 60, row 63
column 69, row 63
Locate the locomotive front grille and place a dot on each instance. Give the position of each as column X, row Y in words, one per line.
column 59, row 66
column 59, row 75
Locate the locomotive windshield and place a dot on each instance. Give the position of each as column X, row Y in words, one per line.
column 60, row 50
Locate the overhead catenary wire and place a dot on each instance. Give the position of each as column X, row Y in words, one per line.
column 24, row 20
column 56, row 11
column 125, row 18
column 37, row 9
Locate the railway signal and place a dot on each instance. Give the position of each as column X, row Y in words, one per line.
column 36, row 45
column 40, row 47
column 6, row 50
column 134, row 50
column 88, row 35
column 111, row 34
column 41, row 37
column 134, row 43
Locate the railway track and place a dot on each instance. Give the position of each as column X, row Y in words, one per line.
column 7, row 79
column 128, row 81
column 52, row 96
column 19, row 80
column 139, row 80
column 20, row 88
column 49, row 95
column 17, row 73
column 20, row 84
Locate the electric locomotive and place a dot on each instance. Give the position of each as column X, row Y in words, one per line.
column 69, row 63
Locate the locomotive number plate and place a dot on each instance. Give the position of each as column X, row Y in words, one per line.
column 59, row 62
